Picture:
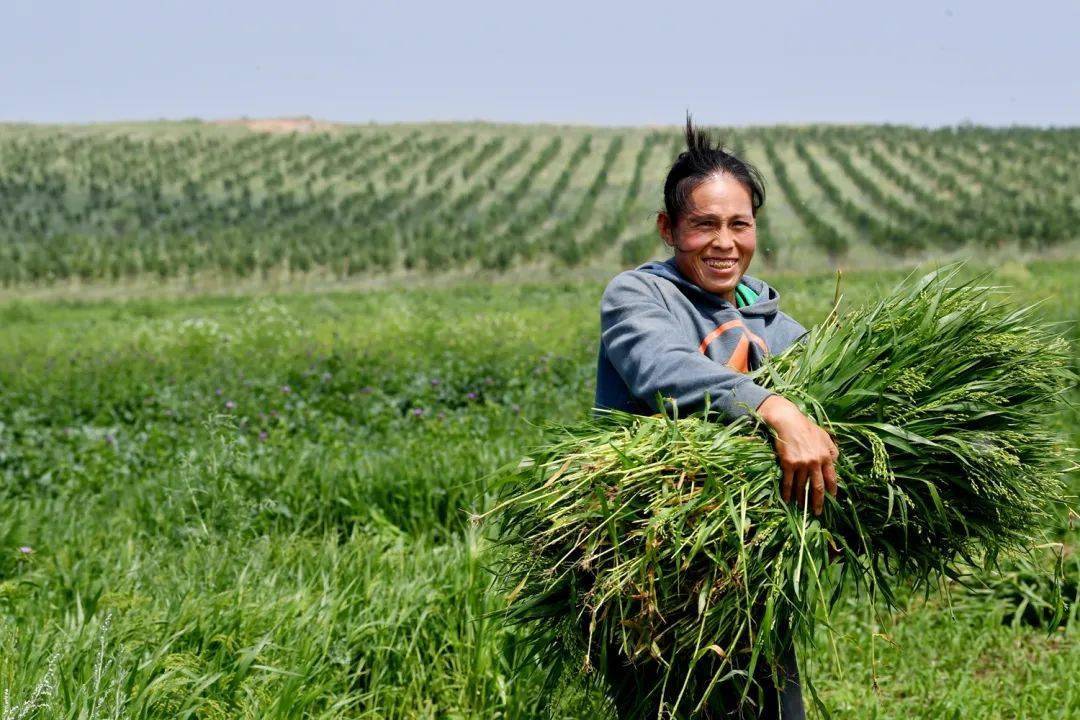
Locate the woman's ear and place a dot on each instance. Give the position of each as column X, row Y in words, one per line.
column 663, row 227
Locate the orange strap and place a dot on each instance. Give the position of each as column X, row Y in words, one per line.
column 740, row 356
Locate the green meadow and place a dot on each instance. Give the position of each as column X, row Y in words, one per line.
column 259, row 506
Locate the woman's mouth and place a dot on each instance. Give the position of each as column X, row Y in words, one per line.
column 721, row 263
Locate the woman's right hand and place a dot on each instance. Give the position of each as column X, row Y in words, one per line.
column 806, row 452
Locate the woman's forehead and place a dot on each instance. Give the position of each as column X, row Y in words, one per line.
column 720, row 195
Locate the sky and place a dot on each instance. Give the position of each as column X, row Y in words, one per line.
column 599, row 63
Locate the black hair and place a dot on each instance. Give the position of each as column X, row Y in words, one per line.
column 700, row 161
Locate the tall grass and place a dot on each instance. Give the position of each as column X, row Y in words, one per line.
column 327, row 569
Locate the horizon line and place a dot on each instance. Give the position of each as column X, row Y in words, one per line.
column 323, row 124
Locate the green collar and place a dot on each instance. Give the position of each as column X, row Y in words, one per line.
column 744, row 295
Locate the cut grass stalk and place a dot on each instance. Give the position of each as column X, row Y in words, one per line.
column 660, row 545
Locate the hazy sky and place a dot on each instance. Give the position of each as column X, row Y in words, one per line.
column 612, row 63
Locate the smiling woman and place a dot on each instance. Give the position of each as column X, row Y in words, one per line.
column 718, row 237
column 709, row 219
column 680, row 335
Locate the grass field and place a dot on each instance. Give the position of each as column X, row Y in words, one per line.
column 257, row 504
column 267, row 498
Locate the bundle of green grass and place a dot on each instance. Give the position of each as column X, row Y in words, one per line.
column 659, row 548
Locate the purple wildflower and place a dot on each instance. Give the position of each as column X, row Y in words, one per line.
column 435, row 382
column 110, row 439
column 286, row 389
column 367, row 390
column 26, row 549
column 229, row 405
column 417, row 412
column 471, row 395
column 262, row 436
column 218, row 392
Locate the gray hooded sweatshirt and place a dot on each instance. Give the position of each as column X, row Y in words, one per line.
column 662, row 334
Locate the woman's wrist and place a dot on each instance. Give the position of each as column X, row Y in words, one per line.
column 777, row 411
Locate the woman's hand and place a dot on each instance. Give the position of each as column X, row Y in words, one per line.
column 806, row 452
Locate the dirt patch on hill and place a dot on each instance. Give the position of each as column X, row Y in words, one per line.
column 304, row 124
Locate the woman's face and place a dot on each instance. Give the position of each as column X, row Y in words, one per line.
column 715, row 239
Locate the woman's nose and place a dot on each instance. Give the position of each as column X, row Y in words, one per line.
column 724, row 240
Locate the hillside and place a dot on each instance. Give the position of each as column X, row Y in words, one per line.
column 260, row 502
column 101, row 203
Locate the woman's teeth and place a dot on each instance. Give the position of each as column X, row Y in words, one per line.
column 720, row 264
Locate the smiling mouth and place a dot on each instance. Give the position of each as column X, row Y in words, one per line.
column 721, row 263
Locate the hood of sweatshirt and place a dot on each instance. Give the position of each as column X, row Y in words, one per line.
column 662, row 336
column 767, row 303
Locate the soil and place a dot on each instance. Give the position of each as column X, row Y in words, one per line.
column 303, row 124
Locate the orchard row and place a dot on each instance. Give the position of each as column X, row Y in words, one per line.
column 105, row 203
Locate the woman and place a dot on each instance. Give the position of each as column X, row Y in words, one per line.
column 682, row 334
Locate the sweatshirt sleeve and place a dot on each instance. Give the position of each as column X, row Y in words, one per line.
column 643, row 340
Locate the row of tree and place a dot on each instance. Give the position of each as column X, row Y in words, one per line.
column 96, row 204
